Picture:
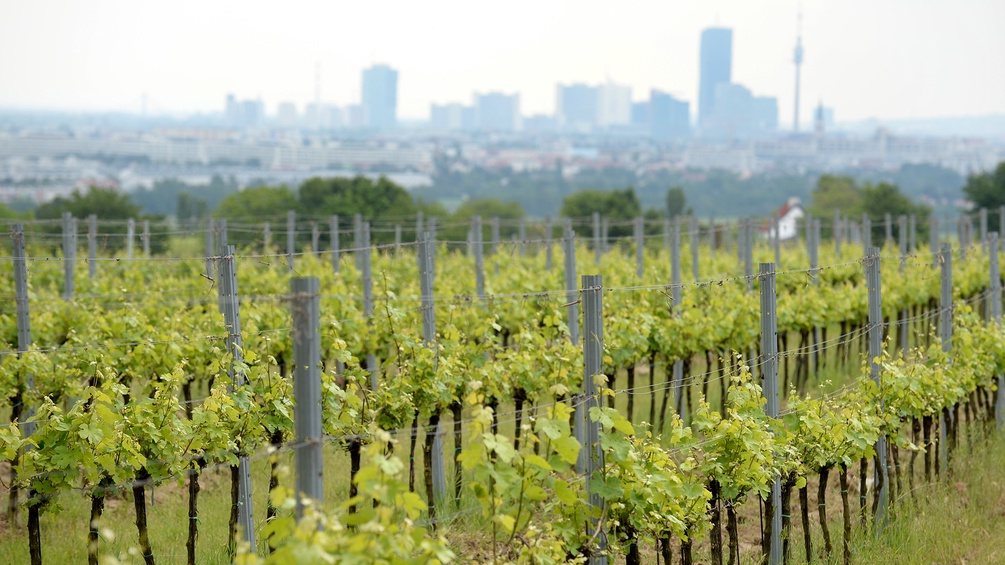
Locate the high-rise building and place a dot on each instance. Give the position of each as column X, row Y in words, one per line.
column 576, row 106
column 640, row 115
column 286, row 114
column 496, row 111
column 452, row 117
column 669, row 117
column 380, row 97
column 765, row 114
column 244, row 113
column 716, row 68
column 614, row 104
column 823, row 119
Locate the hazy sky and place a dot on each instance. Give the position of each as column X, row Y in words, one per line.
column 866, row 58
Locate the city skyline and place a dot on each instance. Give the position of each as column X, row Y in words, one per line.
column 896, row 60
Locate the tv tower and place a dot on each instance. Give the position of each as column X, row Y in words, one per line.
column 798, row 59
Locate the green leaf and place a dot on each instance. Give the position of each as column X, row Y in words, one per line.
column 567, row 448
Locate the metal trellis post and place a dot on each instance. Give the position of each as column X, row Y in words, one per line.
column 92, row 245
column 593, row 348
column 23, row 319
column 873, row 281
column 769, row 373
column 306, row 306
column 232, row 315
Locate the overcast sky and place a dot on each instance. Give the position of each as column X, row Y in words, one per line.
column 865, row 58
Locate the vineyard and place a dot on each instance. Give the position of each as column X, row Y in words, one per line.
column 646, row 412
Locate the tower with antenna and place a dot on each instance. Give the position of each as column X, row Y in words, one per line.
column 798, row 59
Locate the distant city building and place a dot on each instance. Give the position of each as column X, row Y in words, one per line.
column 823, row 119
column 669, row 117
column 715, row 67
column 640, row 115
column 539, row 123
column 243, row 113
column 576, row 106
column 380, row 97
column 286, row 115
column 323, row 116
column 739, row 114
column 614, row 105
column 765, row 115
column 452, row 117
column 496, row 111
column 356, row 116
column 732, row 114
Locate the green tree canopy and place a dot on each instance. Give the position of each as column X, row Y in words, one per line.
column 358, row 195
column 174, row 197
column 987, row 190
column 106, row 203
column 8, row 213
column 884, row 198
column 836, row 192
column 509, row 213
column 258, row 204
column 191, row 208
column 618, row 206
column 676, row 202
column 839, row 192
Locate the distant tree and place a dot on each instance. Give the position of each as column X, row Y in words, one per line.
column 987, row 190
column 106, row 204
column 925, row 179
column 379, row 202
column 165, row 195
column 509, row 213
column 836, row 192
column 256, row 205
column 8, row 213
column 191, row 208
column 885, row 198
column 382, row 199
column 618, row 206
column 676, row 202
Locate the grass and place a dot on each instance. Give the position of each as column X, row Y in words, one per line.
column 64, row 526
column 958, row 521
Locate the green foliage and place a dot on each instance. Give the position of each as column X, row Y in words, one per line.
column 185, row 201
column 987, row 190
column 676, row 202
column 509, row 213
column 9, row 213
column 106, row 203
column 836, row 192
column 262, row 203
column 885, row 198
column 382, row 199
column 615, row 205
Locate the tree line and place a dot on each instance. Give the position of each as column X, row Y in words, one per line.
column 384, row 202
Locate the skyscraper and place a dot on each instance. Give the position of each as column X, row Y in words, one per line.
column 380, row 97
column 614, row 104
column 576, row 106
column 668, row 116
column 496, row 111
column 716, row 68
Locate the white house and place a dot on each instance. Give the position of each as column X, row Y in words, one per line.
column 788, row 217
